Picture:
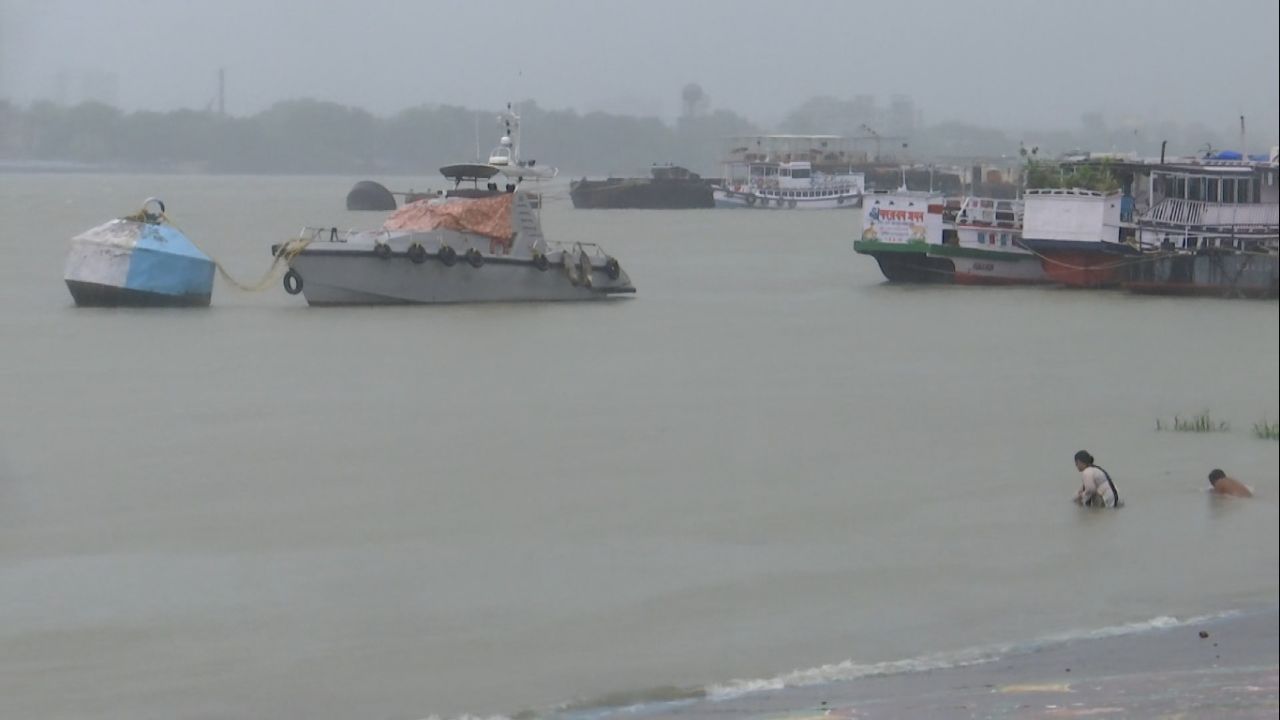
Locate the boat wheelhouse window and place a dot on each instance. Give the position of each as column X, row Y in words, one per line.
column 1004, row 238
column 1195, row 189
column 1227, row 191
column 1211, row 192
column 800, row 173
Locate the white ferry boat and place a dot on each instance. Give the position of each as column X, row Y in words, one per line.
column 792, row 172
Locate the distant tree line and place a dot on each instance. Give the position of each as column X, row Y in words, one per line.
column 311, row 136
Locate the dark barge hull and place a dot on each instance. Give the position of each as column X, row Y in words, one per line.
column 1230, row 275
column 641, row 194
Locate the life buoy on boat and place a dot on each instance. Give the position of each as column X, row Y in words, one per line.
column 751, row 199
column 292, row 282
column 474, row 258
column 612, row 268
column 417, row 253
column 382, row 250
column 447, row 255
column 541, row 262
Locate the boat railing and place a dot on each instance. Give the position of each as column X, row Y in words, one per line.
column 1075, row 192
column 990, row 211
column 312, row 233
column 1244, row 217
column 578, row 247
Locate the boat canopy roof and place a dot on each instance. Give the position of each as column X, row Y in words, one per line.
column 468, row 171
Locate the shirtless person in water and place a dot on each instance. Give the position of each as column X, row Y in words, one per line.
column 1225, row 485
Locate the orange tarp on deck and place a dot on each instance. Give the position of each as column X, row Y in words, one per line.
column 490, row 217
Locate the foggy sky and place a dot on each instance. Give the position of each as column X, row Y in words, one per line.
column 1000, row 63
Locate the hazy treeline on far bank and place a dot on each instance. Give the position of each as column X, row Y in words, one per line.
column 311, row 136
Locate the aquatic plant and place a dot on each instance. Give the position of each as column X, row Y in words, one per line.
column 1267, row 430
column 1196, row 423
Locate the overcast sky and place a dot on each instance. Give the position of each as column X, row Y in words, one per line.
column 1002, row 63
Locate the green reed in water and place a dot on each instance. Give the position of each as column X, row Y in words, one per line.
column 1267, row 430
column 1196, row 423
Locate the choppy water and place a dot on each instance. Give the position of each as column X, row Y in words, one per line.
column 766, row 461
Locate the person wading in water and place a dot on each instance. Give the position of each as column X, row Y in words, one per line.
column 1096, row 487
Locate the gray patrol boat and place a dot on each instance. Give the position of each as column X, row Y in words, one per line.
column 449, row 250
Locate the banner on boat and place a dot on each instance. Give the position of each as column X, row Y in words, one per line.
column 897, row 220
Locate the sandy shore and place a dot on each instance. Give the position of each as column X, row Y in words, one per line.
column 1220, row 668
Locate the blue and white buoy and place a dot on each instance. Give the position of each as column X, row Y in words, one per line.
column 138, row 260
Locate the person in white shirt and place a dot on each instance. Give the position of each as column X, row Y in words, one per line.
column 1096, row 487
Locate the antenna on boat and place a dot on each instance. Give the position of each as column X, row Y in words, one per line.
column 476, row 118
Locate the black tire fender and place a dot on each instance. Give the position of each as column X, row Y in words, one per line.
column 292, row 282
column 447, row 256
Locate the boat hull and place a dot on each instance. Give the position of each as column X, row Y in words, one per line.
column 1083, row 264
column 1244, row 275
column 907, row 263
column 356, row 277
column 978, row 267
column 640, row 195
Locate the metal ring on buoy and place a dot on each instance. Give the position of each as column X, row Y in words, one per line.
column 541, row 262
column 382, row 250
column 292, row 282
column 417, row 253
column 474, row 258
column 447, row 255
column 612, row 268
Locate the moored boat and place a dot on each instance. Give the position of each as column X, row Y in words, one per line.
column 794, row 172
column 450, row 250
column 669, row 187
column 139, row 260
column 1191, row 226
column 1212, row 228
